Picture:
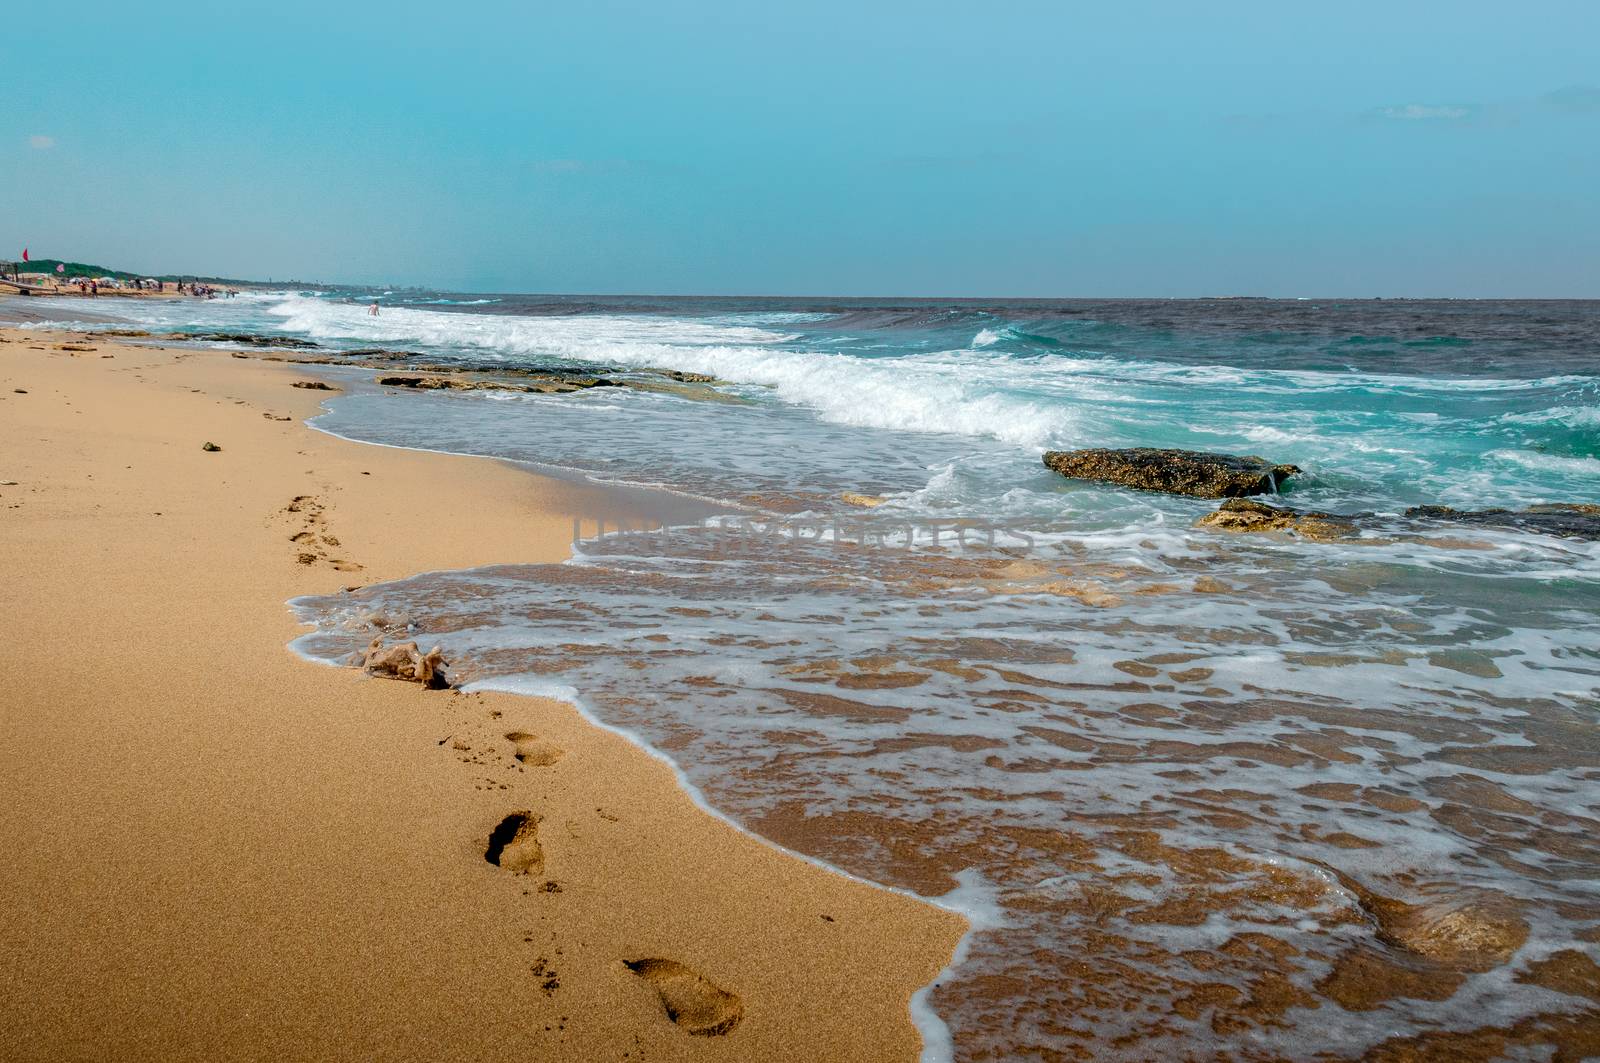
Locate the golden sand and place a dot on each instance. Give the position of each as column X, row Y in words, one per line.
column 215, row 849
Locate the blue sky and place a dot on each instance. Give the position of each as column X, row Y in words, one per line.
column 1005, row 148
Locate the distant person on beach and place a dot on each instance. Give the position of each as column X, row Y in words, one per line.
column 372, row 311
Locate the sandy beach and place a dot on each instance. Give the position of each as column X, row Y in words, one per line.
column 218, row 850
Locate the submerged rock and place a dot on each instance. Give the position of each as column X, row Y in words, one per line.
column 1466, row 929
column 405, row 661
column 1474, row 932
column 1182, row 472
column 1568, row 520
column 1247, row 515
column 867, row 501
column 707, row 390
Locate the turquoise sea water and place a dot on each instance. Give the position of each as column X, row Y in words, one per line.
column 1199, row 792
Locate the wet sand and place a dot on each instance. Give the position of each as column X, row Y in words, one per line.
column 219, row 850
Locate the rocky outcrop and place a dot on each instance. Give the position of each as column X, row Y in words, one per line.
column 247, row 338
column 1248, row 515
column 380, row 352
column 554, row 385
column 543, row 379
column 1568, row 520
column 1577, row 521
column 1181, row 472
column 314, row 385
column 405, row 661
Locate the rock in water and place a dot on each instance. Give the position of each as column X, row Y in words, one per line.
column 1569, row 520
column 1246, row 515
column 405, row 661
column 1474, row 931
column 1180, row 472
column 551, row 385
column 243, row 337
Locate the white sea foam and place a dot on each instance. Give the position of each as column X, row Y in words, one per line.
column 505, row 335
column 1533, row 459
column 1571, row 416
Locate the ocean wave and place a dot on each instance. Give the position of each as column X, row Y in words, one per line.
column 1539, row 462
column 1364, row 437
column 905, row 394
column 982, row 390
column 585, row 336
column 451, row 302
column 1568, row 416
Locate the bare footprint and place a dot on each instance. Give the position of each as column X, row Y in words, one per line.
column 692, row 1001
column 533, row 750
column 514, row 845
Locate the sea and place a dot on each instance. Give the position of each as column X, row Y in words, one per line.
column 1202, row 795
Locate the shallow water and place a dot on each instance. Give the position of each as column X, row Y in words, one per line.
column 1214, row 797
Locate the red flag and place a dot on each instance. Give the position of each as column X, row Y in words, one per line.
column 24, row 254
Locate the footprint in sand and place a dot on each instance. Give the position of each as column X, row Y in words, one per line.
column 313, row 537
column 533, row 750
column 514, row 844
column 691, row 1000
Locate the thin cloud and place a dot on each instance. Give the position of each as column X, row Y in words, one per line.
column 1570, row 102
column 1427, row 112
column 40, row 142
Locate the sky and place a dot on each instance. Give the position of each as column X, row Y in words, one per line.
column 864, row 148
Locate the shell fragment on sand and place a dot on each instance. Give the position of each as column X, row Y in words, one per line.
column 1181, row 472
